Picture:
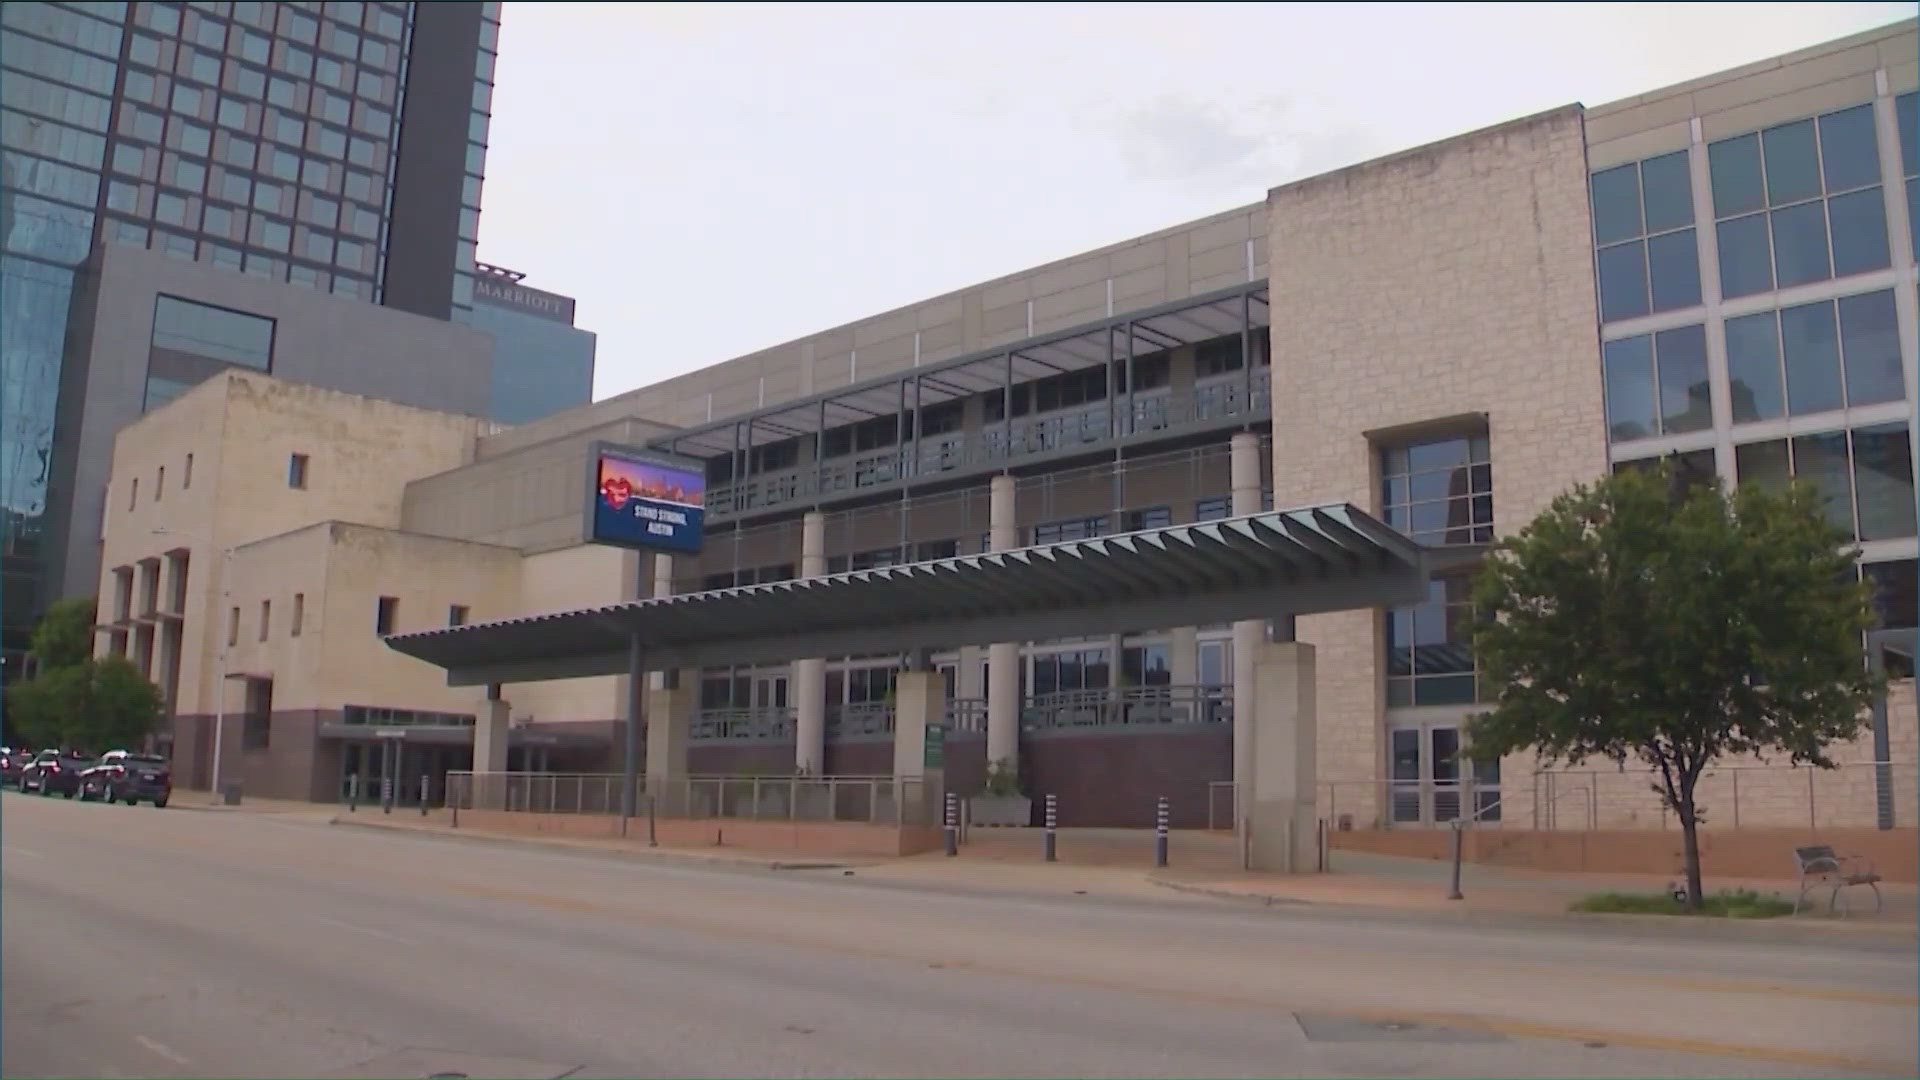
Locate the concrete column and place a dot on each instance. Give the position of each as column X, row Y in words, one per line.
column 490, row 736
column 662, row 586
column 669, row 734
column 1183, row 659
column 1279, row 810
column 919, row 702
column 1003, row 658
column 1248, row 634
column 810, row 676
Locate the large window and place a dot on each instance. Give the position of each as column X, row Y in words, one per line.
column 1075, row 669
column 1896, row 593
column 1430, row 647
column 1643, row 223
column 1439, row 491
column 1814, row 357
column 1864, row 477
column 1054, row 532
column 1799, row 202
column 1657, row 384
column 191, row 342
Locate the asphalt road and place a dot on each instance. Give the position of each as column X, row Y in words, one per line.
column 189, row 943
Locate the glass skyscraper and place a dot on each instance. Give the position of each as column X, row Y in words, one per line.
column 337, row 147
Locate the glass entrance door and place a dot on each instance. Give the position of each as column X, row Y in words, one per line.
column 1429, row 781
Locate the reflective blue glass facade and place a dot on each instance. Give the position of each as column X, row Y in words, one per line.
column 542, row 363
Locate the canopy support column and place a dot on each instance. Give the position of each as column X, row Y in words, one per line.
column 810, row 676
column 1003, row 658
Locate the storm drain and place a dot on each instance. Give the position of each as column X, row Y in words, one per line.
column 1354, row 1029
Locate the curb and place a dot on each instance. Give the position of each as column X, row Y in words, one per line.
column 643, row 855
column 1850, row 935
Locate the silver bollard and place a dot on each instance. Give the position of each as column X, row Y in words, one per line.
column 1053, row 823
column 653, row 836
column 425, row 782
column 1160, row 832
column 953, row 824
column 386, row 794
column 353, row 793
column 1453, row 891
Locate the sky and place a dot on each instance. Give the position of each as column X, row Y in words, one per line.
column 712, row 179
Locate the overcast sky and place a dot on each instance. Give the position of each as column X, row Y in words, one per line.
column 711, row 179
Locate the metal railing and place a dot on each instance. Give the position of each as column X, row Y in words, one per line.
column 743, row 725
column 878, row 800
column 996, row 443
column 860, row 720
column 1223, row 805
column 1864, row 794
column 1133, row 706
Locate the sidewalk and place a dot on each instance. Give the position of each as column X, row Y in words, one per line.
column 1118, row 863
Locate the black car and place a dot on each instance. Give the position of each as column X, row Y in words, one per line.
column 55, row 772
column 124, row 776
column 12, row 760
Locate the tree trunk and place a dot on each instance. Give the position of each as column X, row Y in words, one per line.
column 1690, row 851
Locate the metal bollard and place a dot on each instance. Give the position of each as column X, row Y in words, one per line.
column 1160, row 832
column 953, row 824
column 1453, row 890
column 1053, row 823
column 425, row 780
column 653, row 836
column 386, row 794
column 353, row 793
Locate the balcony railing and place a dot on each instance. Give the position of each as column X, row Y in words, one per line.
column 743, row 725
column 997, row 443
column 874, row 719
column 1130, row 707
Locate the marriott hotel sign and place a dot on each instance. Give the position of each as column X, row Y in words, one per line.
column 506, row 294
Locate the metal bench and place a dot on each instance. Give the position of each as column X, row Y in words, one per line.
column 1821, row 867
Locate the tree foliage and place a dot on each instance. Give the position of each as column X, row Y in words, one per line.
column 64, row 635
column 1640, row 618
column 75, row 700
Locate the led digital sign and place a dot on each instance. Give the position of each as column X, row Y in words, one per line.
column 640, row 499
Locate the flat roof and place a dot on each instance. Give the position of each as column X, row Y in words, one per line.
column 1276, row 563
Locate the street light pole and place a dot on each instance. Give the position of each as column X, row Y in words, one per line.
column 220, row 688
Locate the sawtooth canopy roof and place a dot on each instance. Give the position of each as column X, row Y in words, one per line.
column 1288, row 562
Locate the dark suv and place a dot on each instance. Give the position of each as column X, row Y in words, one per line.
column 55, row 772
column 124, row 776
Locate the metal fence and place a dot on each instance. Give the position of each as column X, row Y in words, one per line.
column 1133, row 706
column 877, row 800
column 1853, row 795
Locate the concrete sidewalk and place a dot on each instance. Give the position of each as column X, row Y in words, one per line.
column 1118, row 863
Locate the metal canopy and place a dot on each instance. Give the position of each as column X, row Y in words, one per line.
column 1289, row 562
column 1091, row 345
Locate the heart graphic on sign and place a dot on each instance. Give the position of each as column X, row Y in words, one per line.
column 616, row 490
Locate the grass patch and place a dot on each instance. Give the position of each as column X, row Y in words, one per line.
column 1727, row 904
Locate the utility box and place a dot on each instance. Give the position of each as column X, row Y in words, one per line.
column 230, row 792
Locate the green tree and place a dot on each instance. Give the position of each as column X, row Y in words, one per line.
column 1643, row 617
column 64, row 635
column 117, row 707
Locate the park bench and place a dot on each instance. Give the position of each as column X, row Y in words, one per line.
column 1821, row 867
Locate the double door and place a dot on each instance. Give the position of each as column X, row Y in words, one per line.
column 1430, row 780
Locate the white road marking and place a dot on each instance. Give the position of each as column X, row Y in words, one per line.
column 11, row 850
column 162, row 1049
column 369, row 931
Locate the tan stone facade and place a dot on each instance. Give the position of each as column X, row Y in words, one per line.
column 1449, row 290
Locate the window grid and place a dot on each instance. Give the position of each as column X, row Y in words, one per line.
column 1439, row 491
column 1430, row 657
column 1799, row 202
column 1841, row 464
column 1657, row 384
column 1648, row 258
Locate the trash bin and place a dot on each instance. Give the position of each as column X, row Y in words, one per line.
column 230, row 792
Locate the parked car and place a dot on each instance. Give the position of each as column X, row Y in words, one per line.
column 124, row 776
column 12, row 760
column 55, row 772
